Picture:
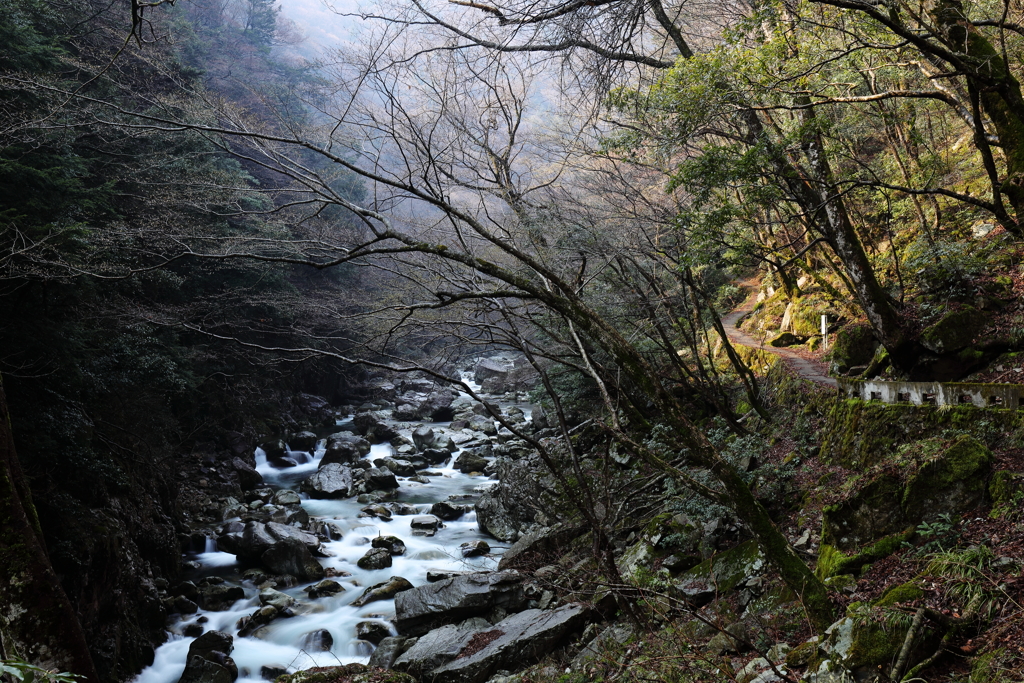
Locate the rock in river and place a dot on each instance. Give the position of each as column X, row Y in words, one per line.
column 434, row 604
column 331, row 481
column 383, row 591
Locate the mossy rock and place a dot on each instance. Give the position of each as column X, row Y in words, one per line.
column 953, row 331
column 865, row 641
column 803, row 654
column 664, row 535
column 1004, row 491
column 905, row 592
column 727, row 569
column 853, row 345
column 952, row 482
column 833, row 562
column 872, row 512
column 861, row 434
column 942, row 477
column 987, row 668
column 841, row 582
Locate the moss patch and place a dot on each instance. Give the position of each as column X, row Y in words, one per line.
column 860, row 434
column 906, row 592
column 833, row 562
column 953, row 331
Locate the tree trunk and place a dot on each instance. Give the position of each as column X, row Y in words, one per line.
column 37, row 621
column 828, row 212
column 999, row 91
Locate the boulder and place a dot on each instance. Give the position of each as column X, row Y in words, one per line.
column 446, row 511
column 953, row 331
column 539, row 417
column 274, row 449
column 436, row 456
column 377, row 510
column 372, row 427
column 470, row 462
column 786, row 339
column 474, row 548
column 372, row 631
column 388, row 650
column 401, row 468
column 276, row 599
column 200, row 670
column 330, row 481
column 936, row 477
column 435, row 604
column 375, row 558
column 319, row 640
column 286, row 497
column 437, row 407
column 255, row 540
column 393, row 544
column 422, row 437
column 303, row 441
column 248, row 477
column 854, row 346
column 281, row 532
column 488, row 368
column 720, row 574
column 270, row 672
column 433, row 650
column 216, row 598
column 513, row 642
column 523, row 497
column 324, row 588
column 291, row 556
column 443, row 442
column 607, row 640
column 344, row 447
column 483, row 424
column 425, row 525
column 386, row 590
column 209, row 660
column 378, row 478
column 406, row 412
column 538, row 544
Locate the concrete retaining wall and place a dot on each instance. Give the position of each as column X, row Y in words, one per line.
column 1009, row 396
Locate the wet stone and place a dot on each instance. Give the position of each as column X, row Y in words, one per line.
column 372, row 631
column 375, row 558
column 425, row 525
column 324, row 588
column 392, row 544
column 474, row 548
column 447, row 511
column 320, row 640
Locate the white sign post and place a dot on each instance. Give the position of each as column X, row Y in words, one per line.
column 824, row 332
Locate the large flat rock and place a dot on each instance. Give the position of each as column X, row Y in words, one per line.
column 460, row 597
column 510, row 644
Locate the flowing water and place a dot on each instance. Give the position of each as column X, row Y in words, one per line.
column 282, row 643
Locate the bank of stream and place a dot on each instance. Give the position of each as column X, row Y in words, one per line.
column 322, row 631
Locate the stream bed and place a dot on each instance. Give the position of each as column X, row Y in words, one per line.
column 299, row 642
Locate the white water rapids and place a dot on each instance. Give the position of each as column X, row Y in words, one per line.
column 280, row 643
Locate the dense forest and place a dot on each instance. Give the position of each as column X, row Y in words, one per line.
column 695, row 324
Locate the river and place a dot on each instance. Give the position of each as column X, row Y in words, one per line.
column 281, row 644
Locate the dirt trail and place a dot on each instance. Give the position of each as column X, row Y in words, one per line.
column 805, row 367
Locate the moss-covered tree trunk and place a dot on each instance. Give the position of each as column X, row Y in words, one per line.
column 36, row 618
